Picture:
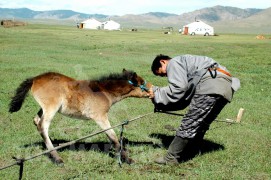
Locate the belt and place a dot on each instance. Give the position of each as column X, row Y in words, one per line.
column 219, row 70
column 223, row 71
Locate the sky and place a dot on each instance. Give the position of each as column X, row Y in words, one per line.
column 122, row 7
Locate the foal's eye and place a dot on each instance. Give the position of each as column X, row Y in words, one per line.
column 135, row 83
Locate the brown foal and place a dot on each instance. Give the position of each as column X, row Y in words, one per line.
column 83, row 99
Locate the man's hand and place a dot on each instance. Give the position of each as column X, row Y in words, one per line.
column 151, row 93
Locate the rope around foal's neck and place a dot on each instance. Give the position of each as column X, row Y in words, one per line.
column 143, row 87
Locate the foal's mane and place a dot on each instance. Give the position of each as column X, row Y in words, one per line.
column 116, row 76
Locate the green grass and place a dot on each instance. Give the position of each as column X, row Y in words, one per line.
column 243, row 149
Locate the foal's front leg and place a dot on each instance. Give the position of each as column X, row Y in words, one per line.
column 105, row 124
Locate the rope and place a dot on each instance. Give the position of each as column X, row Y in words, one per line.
column 167, row 112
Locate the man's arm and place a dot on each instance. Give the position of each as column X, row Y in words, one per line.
column 178, row 84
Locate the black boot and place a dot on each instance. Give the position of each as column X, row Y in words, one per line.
column 174, row 151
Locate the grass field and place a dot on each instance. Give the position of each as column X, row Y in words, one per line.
column 230, row 151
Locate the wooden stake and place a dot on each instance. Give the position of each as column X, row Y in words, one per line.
column 238, row 118
column 239, row 115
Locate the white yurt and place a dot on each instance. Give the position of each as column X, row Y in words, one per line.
column 110, row 25
column 198, row 28
column 90, row 24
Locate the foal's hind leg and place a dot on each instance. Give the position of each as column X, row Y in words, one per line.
column 43, row 127
column 105, row 124
column 38, row 117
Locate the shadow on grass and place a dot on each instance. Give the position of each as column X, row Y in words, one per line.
column 193, row 149
column 104, row 147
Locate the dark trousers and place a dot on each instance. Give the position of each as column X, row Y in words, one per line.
column 202, row 111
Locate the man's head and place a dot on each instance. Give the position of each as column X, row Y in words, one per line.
column 159, row 65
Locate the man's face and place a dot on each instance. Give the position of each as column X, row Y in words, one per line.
column 162, row 71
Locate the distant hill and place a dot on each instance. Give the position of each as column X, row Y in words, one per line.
column 258, row 23
column 220, row 13
column 25, row 13
column 223, row 18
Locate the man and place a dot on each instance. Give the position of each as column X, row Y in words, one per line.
column 195, row 80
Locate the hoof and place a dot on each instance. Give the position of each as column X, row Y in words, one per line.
column 129, row 161
column 59, row 162
column 125, row 158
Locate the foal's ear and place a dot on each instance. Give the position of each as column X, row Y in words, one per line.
column 134, row 77
column 124, row 70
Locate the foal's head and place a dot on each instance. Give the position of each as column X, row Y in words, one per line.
column 127, row 81
column 136, row 80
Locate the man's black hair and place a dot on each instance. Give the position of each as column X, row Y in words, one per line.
column 156, row 62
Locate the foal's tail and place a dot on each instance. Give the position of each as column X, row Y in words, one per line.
column 21, row 93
